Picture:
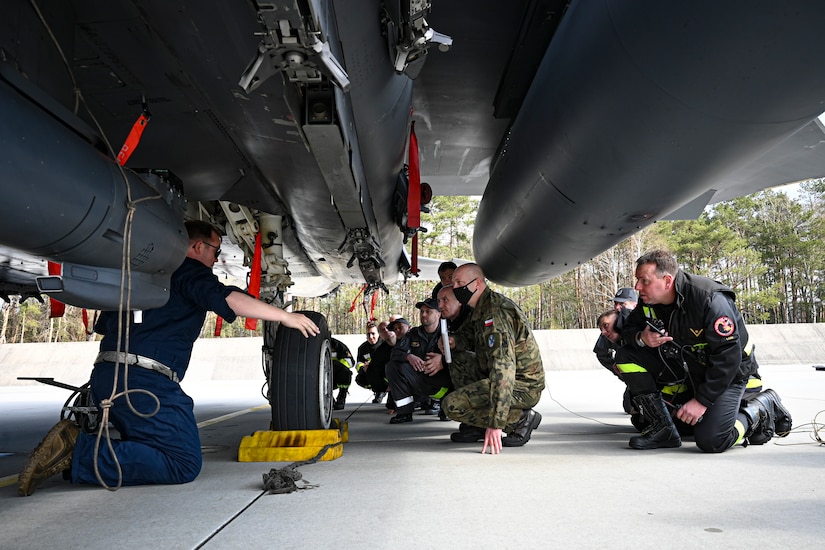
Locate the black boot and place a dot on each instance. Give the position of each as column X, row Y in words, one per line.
column 768, row 418
column 520, row 435
column 468, row 434
column 341, row 400
column 661, row 431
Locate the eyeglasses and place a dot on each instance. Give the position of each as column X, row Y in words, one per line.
column 217, row 249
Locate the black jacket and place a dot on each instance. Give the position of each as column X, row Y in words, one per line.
column 705, row 323
column 604, row 349
column 418, row 342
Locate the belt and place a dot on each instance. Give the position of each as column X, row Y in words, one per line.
column 138, row 361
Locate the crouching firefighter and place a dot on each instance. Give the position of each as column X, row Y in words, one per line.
column 342, row 364
column 687, row 363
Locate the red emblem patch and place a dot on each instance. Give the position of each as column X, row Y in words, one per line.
column 724, row 326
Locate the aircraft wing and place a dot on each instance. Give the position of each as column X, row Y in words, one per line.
column 580, row 122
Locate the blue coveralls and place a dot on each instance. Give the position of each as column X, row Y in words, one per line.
column 165, row 447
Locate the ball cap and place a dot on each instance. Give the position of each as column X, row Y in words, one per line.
column 397, row 321
column 431, row 303
column 626, row 295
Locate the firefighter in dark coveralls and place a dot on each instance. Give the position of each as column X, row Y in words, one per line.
column 498, row 366
column 342, row 365
column 699, row 353
column 415, row 368
column 164, row 447
column 372, row 358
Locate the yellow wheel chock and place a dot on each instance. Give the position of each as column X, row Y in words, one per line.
column 293, row 445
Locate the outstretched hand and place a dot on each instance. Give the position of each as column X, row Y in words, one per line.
column 301, row 322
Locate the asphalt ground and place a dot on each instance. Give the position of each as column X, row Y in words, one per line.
column 575, row 484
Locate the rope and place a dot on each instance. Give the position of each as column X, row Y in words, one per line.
column 282, row 480
column 126, row 271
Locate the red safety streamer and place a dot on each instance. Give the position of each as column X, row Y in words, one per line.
column 355, row 300
column 133, row 139
column 414, row 255
column 414, row 197
column 56, row 308
column 372, row 305
column 90, row 327
column 218, row 326
column 255, row 279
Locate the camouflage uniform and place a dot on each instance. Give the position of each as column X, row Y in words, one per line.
column 496, row 369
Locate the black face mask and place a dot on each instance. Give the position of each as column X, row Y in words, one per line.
column 463, row 294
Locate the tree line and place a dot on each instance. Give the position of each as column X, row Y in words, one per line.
column 766, row 247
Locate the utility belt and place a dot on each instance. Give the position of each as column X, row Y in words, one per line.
column 137, row 360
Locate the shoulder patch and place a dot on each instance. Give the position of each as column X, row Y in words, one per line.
column 491, row 341
column 488, row 322
column 724, row 326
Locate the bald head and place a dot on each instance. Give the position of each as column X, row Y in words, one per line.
column 468, row 271
column 447, row 304
column 468, row 284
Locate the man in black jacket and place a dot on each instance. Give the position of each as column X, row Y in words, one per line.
column 416, row 368
column 687, row 342
column 610, row 325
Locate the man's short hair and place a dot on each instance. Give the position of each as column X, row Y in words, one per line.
column 445, row 266
column 605, row 315
column 665, row 261
column 371, row 324
column 474, row 270
column 199, row 230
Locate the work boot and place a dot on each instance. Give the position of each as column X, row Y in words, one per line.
column 520, row 435
column 468, row 434
column 768, row 418
column 341, row 400
column 50, row 457
column 627, row 403
column 401, row 418
column 639, row 422
column 661, row 432
column 433, row 408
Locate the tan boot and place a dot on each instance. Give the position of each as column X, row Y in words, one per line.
column 50, row 457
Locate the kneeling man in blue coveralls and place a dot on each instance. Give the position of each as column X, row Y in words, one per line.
column 163, row 447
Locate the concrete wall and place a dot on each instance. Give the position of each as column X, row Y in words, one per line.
column 240, row 358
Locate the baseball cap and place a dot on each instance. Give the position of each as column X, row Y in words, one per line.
column 399, row 320
column 626, row 295
column 431, row 303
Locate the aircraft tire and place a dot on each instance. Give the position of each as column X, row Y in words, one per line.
column 300, row 377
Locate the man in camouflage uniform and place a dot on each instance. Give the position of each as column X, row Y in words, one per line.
column 496, row 368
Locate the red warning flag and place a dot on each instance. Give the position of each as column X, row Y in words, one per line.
column 132, row 139
column 414, row 191
column 414, row 197
column 56, row 308
column 255, row 279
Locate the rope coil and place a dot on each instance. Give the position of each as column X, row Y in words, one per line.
column 280, row 481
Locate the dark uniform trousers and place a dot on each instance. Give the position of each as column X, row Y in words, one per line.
column 407, row 383
column 715, row 432
column 161, row 448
